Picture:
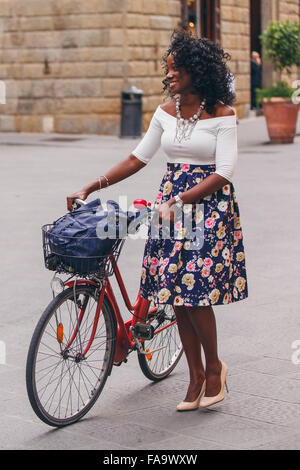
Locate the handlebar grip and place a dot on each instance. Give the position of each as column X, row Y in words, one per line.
column 78, row 203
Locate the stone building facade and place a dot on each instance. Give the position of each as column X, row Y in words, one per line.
column 65, row 62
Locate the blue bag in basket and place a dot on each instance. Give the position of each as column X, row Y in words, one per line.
column 80, row 238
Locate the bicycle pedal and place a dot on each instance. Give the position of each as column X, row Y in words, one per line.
column 148, row 352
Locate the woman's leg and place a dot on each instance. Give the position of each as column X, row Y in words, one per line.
column 204, row 323
column 192, row 348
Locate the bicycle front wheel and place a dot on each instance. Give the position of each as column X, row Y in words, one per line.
column 166, row 341
column 63, row 381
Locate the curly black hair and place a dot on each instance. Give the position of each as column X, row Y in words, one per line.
column 205, row 61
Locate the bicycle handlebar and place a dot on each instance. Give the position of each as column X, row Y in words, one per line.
column 138, row 203
column 78, row 203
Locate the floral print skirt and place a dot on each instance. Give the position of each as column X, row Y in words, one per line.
column 199, row 260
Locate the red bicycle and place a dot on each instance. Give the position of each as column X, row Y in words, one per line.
column 81, row 335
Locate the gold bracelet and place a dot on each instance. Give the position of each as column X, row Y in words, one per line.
column 107, row 182
column 99, row 179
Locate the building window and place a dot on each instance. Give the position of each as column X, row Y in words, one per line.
column 202, row 17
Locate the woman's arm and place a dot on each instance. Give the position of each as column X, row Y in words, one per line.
column 226, row 159
column 209, row 185
column 139, row 157
column 122, row 170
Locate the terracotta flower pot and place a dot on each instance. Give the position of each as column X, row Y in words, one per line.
column 281, row 117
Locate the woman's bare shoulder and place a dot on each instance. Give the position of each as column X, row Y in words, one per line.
column 224, row 110
column 221, row 109
column 169, row 107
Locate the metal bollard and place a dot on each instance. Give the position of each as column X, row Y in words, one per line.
column 131, row 120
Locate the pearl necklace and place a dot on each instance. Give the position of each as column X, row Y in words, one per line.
column 184, row 127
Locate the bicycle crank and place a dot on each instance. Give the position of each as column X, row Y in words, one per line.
column 141, row 351
column 143, row 331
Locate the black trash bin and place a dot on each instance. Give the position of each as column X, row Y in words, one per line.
column 131, row 120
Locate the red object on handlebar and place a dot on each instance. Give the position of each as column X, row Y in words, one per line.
column 140, row 203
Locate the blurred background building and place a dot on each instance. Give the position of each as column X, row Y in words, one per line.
column 65, row 63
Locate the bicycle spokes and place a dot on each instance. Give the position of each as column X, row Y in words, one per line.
column 162, row 352
column 70, row 357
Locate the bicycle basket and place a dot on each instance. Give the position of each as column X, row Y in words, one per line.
column 58, row 257
column 77, row 243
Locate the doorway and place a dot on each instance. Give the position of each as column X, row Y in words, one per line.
column 202, row 17
column 255, row 25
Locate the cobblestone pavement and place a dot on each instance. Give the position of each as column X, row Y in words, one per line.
column 262, row 409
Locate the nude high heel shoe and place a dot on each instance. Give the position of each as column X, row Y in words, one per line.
column 191, row 405
column 208, row 401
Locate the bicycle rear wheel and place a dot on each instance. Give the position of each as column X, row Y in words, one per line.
column 160, row 364
column 62, row 383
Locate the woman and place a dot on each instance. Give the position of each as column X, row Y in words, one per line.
column 201, row 157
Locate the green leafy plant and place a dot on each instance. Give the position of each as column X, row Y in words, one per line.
column 281, row 41
column 281, row 89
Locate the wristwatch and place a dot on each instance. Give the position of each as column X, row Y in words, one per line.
column 178, row 200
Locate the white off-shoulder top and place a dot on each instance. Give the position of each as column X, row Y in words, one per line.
column 213, row 141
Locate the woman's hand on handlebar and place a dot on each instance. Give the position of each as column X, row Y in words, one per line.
column 78, row 195
column 166, row 212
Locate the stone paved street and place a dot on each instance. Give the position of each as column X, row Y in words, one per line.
column 262, row 409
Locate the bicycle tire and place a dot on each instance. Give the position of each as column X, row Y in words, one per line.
column 164, row 315
column 35, row 354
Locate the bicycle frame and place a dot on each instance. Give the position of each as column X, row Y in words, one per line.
column 81, row 335
column 125, row 341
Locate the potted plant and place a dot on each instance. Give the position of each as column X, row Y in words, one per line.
column 281, row 41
